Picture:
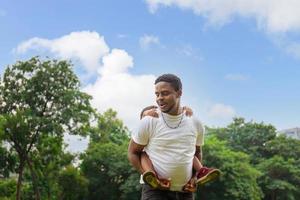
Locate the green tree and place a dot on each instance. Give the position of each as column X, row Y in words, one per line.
column 281, row 169
column 7, row 162
column 105, row 161
column 248, row 137
column 7, row 188
column 108, row 171
column 109, row 129
column 277, row 158
column 49, row 159
column 40, row 98
column 284, row 147
column 7, row 159
column 238, row 179
column 281, row 178
column 72, row 184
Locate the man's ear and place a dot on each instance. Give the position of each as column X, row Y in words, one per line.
column 179, row 93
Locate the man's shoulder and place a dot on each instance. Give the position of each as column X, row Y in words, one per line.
column 197, row 122
column 148, row 122
column 149, row 119
column 194, row 119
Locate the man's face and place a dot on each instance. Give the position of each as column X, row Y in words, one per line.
column 166, row 97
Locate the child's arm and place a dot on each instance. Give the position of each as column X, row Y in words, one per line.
column 152, row 112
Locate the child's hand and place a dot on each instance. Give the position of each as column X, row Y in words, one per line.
column 164, row 184
column 188, row 111
column 152, row 113
column 191, row 186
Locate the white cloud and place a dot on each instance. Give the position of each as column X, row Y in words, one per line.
column 271, row 15
column 88, row 47
column 115, row 87
column 236, row 77
column 278, row 18
column 125, row 93
column 147, row 40
column 221, row 111
column 118, row 89
column 118, row 61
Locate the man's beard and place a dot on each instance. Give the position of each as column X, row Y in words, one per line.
column 167, row 111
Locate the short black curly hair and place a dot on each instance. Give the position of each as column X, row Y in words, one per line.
column 172, row 79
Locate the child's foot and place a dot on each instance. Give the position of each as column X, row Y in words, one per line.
column 206, row 175
column 150, row 178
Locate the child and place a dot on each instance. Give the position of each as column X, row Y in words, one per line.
column 201, row 176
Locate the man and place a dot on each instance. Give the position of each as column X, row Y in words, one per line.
column 171, row 142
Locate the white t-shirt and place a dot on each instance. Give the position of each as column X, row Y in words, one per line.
column 171, row 150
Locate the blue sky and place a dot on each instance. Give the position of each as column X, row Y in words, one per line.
column 235, row 58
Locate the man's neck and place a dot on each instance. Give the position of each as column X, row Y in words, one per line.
column 176, row 110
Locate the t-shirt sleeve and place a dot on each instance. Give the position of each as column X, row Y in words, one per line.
column 142, row 135
column 200, row 132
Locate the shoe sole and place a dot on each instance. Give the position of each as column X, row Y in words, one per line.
column 213, row 175
column 150, row 179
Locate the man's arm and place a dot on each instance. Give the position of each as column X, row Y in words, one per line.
column 134, row 152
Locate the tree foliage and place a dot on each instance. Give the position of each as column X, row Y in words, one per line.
column 105, row 161
column 73, row 186
column 109, row 129
column 238, row 179
column 40, row 98
column 276, row 157
column 281, row 178
column 7, row 188
column 249, row 137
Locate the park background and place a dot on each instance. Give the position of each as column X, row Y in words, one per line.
column 238, row 61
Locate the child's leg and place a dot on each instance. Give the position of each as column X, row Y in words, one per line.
column 196, row 164
column 204, row 174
